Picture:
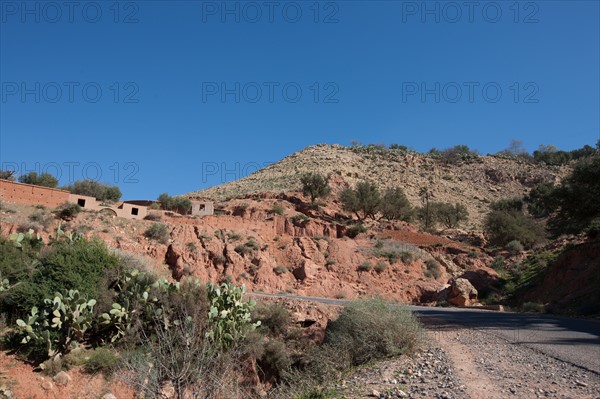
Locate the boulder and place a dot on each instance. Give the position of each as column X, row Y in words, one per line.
column 462, row 293
column 308, row 270
column 62, row 378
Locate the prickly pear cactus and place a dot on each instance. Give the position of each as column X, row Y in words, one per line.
column 229, row 315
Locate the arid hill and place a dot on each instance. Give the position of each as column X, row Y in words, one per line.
column 474, row 183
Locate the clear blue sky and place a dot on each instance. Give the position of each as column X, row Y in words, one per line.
column 180, row 95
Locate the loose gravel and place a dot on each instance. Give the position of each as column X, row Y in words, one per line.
column 469, row 363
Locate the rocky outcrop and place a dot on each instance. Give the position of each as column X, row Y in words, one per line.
column 462, row 293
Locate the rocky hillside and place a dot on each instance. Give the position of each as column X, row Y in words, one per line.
column 287, row 251
column 474, row 184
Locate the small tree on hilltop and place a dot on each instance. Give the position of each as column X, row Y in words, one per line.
column 43, row 179
column 365, row 198
column 182, row 205
column 315, row 186
column 93, row 188
column 7, row 175
column 450, row 215
column 395, row 205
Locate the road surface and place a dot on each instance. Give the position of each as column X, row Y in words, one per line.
column 576, row 341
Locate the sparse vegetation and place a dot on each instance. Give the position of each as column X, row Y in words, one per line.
column 299, row 219
column 372, row 329
column 277, row 209
column 67, row 211
column 355, row 230
column 280, row 269
column 158, row 232
column 365, row 267
column 380, row 267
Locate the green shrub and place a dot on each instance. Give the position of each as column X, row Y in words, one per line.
column 355, row 230
column 67, row 265
column 498, row 264
column 451, row 216
column 299, row 219
column 364, row 267
column 372, row 329
column 274, row 318
column 243, row 249
column 503, row 227
column 158, row 232
column 233, row 236
column 514, row 247
column 458, row 153
column 407, row 257
column 508, row 205
column 219, row 259
column 67, row 211
column 253, row 245
column 102, row 360
column 155, row 217
column 278, row 209
column 577, row 198
column 275, row 360
column 280, row 269
column 380, row 267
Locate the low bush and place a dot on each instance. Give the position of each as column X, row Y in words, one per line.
column 504, row 226
column 29, row 225
column 274, row 318
column 372, row 329
column 158, row 232
column 155, row 217
column 365, row 267
column 380, row 267
column 432, row 269
column 280, row 269
column 278, row 209
column 514, row 247
column 67, row 211
column 41, row 217
column 355, row 230
column 299, row 219
column 243, row 249
column 102, row 360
